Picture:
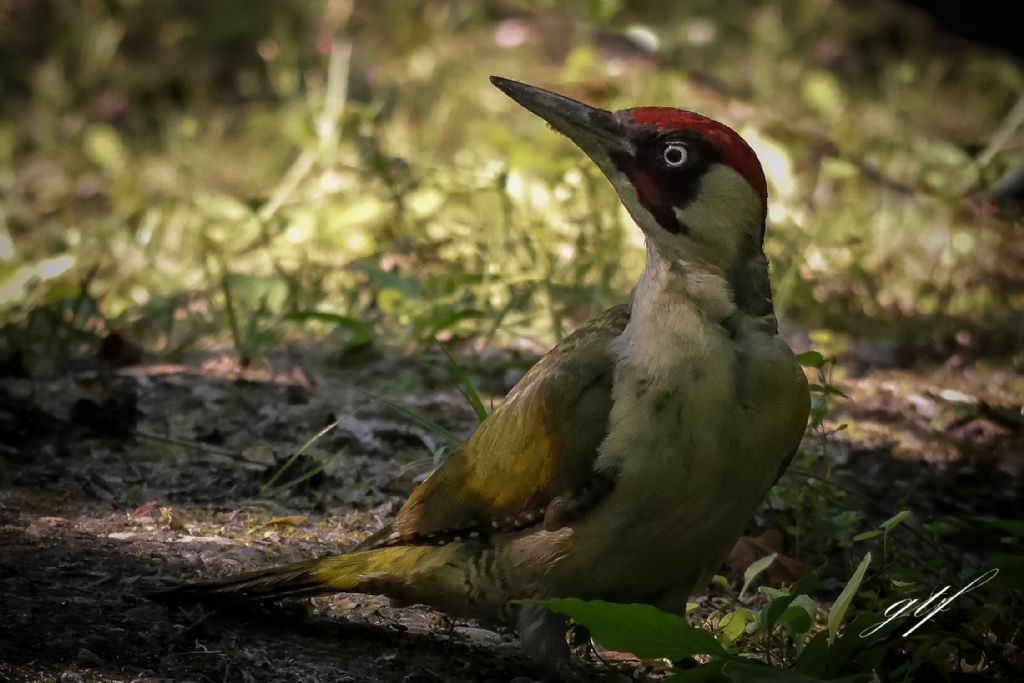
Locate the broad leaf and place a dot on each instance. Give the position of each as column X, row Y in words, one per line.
column 643, row 630
column 781, row 602
column 755, row 569
column 810, row 359
column 751, row 672
column 842, row 603
column 1011, row 571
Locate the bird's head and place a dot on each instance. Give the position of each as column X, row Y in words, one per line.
column 692, row 184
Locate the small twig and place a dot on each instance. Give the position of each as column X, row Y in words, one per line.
column 605, row 663
column 193, row 626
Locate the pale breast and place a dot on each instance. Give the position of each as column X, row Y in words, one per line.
column 697, row 434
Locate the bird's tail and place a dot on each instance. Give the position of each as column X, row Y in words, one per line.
column 371, row 571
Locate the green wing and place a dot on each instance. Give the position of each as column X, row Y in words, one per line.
column 534, row 453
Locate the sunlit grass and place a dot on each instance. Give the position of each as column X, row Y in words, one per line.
column 212, row 193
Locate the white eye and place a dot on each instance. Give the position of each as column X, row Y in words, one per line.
column 675, row 155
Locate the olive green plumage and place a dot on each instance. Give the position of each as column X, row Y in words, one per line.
column 626, row 462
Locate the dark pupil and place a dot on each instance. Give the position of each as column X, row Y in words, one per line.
column 673, row 155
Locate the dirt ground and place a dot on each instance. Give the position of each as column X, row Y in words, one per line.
column 115, row 482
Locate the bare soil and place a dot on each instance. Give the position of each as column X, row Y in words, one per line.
column 116, row 482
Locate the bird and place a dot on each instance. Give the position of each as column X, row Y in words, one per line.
column 629, row 458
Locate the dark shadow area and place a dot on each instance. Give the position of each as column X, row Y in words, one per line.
column 74, row 605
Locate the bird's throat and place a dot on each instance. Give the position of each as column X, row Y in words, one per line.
column 681, row 286
column 678, row 322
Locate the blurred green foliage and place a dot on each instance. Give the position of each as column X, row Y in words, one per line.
column 205, row 171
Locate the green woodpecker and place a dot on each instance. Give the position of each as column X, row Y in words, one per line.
column 624, row 465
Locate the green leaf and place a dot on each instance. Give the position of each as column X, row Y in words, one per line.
column 819, row 408
column 844, row 519
column 1011, row 571
column 359, row 328
column 810, row 359
column 712, row 671
column 1014, row 527
column 842, row 603
column 361, row 331
column 450, row 319
column 865, row 535
column 781, row 600
column 776, row 607
column 269, row 486
column 888, row 524
column 734, row 624
column 315, row 470
column 826, row 661
column 808, row 583
column 816, row 658
column 256, row 291
column 643, row 630
column 755, row 569
column 751, row 672
column 827, row 389
column 799, row 616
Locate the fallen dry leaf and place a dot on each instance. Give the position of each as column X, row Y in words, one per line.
column 750, row 549
column 289, row 520
column 145, row 509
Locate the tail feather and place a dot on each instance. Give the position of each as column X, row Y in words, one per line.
column 410, row 574
column 305, row 579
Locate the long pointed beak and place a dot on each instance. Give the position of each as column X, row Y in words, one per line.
column 596, row 131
